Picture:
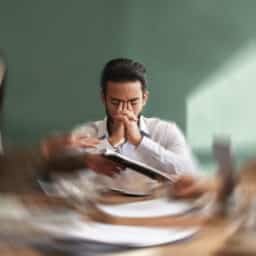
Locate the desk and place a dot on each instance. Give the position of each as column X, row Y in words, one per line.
column 215, row 238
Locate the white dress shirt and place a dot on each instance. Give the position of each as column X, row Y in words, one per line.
column 163, row 147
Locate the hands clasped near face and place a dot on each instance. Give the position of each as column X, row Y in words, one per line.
column 124, row 126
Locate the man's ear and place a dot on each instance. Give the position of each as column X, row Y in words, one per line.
column 145, row 97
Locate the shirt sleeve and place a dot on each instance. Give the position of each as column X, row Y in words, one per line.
column 90, row 130
column 168, row 152
column 104, row 144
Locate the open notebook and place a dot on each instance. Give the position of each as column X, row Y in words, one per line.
column 138, row 166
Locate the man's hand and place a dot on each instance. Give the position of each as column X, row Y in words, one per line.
column 190, row 187
column 125, row 126
column 53, row 147
column 82, row 141
column 132, row 131
column 102, row 165
column 57, row 144
column 117, row 128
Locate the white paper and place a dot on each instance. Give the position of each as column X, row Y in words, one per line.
column 149, row 208
column 126, row 235
column 118, row 234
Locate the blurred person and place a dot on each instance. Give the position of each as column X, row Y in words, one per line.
column 153, row 141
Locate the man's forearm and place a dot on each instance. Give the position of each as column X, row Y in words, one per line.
column 164, row 159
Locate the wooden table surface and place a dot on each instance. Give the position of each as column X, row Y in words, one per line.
column 220, row 236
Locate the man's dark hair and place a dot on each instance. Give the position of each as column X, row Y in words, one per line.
column 123, row 70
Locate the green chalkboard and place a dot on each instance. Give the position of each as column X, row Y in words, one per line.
column 57, row 48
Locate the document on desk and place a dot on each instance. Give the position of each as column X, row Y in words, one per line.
column 135, row 236
column 148, row 208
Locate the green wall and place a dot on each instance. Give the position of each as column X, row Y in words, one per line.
column 56, row 49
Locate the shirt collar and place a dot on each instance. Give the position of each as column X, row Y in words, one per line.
column 143, row 127
column 103, row 131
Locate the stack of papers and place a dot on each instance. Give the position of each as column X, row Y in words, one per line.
column 149, row 208
column 120, row 235
column 135, row 236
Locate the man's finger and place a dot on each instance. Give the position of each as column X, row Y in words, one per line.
column 126, row 120
column 184, row 181
column 85, row 142
column 124, row 106
column 119, row 118
column 89, row 141
column 190, row 191
column 74, row 138
column 120, row 107
column 130, row 116
column 87, row 145
column 129, row 106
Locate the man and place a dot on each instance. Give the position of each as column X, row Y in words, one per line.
column 150, row 140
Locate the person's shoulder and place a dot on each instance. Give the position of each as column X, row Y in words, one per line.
column 158, row 123
column 166, row 132
column 88, row 128
column 159, row 128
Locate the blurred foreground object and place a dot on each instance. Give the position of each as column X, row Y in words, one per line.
column 61, row 152
column 21, row 168
column 217, row 226
column 3, row 75
column 224, row 181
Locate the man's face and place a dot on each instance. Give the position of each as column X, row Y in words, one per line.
column 124, row 93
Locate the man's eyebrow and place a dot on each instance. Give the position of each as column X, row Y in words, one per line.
column 134, row 99
column 120, row 100
column 115, row 99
